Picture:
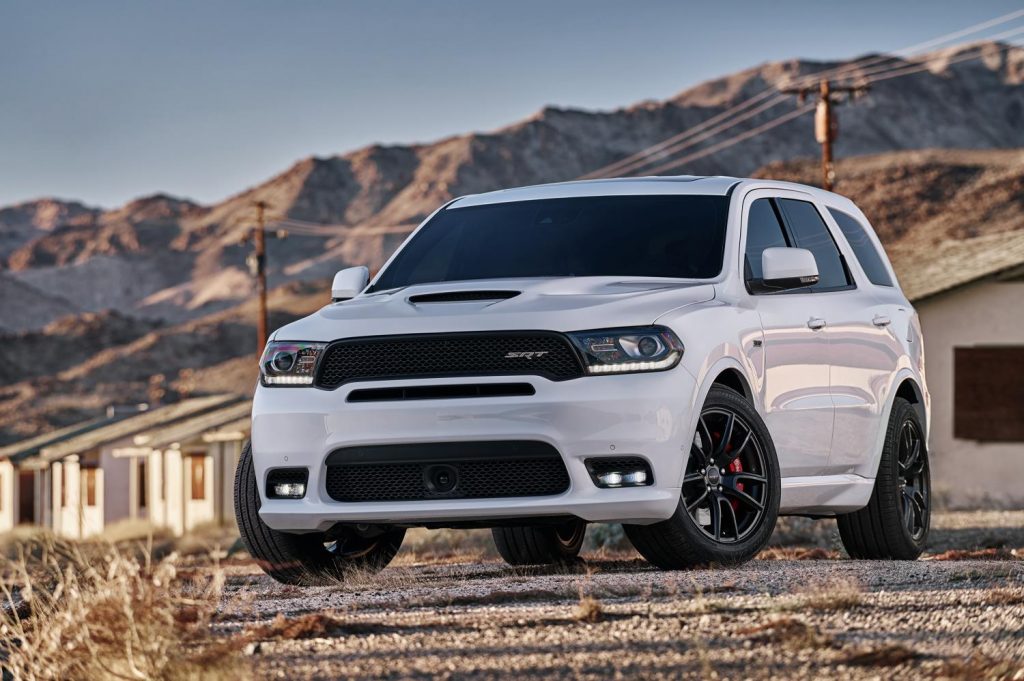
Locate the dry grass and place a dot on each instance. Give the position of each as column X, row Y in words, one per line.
column 797, row 553
column 981, row 667
column 833, row 594
column 92, row 611
column 979, row 554
column 791, row 632
column 889, row 655
column 589, row 610
column 422, row 546
column 310, row 625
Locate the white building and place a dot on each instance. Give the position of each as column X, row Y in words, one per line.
column 970, row 297
column 101, row 476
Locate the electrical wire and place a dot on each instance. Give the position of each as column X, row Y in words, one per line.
column 674, row 143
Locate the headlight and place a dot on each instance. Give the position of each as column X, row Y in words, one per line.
column 290, row 363
column 618, row 351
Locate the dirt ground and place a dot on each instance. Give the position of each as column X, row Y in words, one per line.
column 801, row 610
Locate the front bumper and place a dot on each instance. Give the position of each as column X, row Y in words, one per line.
column 643, row 415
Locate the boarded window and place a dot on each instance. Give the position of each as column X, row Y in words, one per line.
column 143, row 483
column 988, row 387
column 90, row 486
column 197, row 464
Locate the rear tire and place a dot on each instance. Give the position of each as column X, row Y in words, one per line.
column 894, row 525
column 540, row 545
column 313, row 559
column 726, row 512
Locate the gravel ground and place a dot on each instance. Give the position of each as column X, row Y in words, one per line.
column 957, row 613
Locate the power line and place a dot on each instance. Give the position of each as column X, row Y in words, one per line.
column 902, row 71
column 639, row 158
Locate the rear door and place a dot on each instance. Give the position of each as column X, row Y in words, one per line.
column 797, row 399
column 863, row 343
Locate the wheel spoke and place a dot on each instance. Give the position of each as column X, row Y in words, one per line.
column 692, row 477
column 735, row 522
column 731, row 456
column 733, row 478
column 690, row 506
column 743, row 497
column 716, row 517
column 730, row 423
column 908, row 513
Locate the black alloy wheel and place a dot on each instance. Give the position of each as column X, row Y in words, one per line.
column 725, row 488
column 730, row 491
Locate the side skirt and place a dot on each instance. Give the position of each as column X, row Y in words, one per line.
column 824, row 495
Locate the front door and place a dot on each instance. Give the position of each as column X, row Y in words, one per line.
column 798, row 404
column 26, row 497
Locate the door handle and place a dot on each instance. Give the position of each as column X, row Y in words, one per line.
column 881, row 320
column 816, row 323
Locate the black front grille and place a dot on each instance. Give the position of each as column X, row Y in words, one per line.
column 457, row 470
column 538, row 353
column 441, row 392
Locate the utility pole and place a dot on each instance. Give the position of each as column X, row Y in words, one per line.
column 826, row 127
column 260, row 266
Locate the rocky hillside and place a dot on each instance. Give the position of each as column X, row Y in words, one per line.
column 169, row 259
column 174, row 272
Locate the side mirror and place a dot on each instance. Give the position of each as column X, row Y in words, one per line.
column 348, row 283
column 787, row 268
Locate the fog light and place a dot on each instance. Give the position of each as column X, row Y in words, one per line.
column 290, row 490
column 619, row 471
column 622, row 479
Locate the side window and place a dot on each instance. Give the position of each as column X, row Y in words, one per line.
column 867, row 255
column 810, row 232
column 763, row 231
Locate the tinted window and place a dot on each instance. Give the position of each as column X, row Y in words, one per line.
column 763, row 231
column 867, row 255
column 654, row 236
column 810, row 232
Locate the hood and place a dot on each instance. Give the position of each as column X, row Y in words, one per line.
column 553, row 304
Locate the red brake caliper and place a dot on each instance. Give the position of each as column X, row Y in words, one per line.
column 736, row 467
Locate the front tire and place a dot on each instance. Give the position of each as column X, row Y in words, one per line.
column 730, row 494
column 540, row 545
column 313, row 559
column 894, row 525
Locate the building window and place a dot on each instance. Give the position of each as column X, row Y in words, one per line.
column 90, row 486
column 64, row 485
column 197, row 463
column 988, row 393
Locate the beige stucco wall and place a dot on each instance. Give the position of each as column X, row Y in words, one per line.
column 984, row 313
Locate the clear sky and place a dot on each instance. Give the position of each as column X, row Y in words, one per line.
column 105, row 101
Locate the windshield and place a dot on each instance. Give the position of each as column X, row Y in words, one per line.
column 640, row 236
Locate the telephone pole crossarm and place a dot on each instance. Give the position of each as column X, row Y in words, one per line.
column 825, row 124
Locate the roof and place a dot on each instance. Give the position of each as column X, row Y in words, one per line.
column 926, row 272
column 131, row 425
column 194, row 426
column 624, row 186
column 24, row 449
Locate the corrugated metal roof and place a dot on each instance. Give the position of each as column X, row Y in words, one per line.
column 135, row 424
column 923, row 273
column 195, row 426
column 25, row 448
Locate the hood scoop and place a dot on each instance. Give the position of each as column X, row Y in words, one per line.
column 462, row 296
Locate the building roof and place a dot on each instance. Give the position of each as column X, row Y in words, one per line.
column 188, row 428
column 24, row 449
column 926, row 272
column 131, row 425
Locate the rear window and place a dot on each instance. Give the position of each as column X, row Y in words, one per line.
column 867, row 255
column 642, row 236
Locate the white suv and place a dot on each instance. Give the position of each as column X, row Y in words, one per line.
column 687, row 356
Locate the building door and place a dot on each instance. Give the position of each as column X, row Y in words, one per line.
column 26, row 497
